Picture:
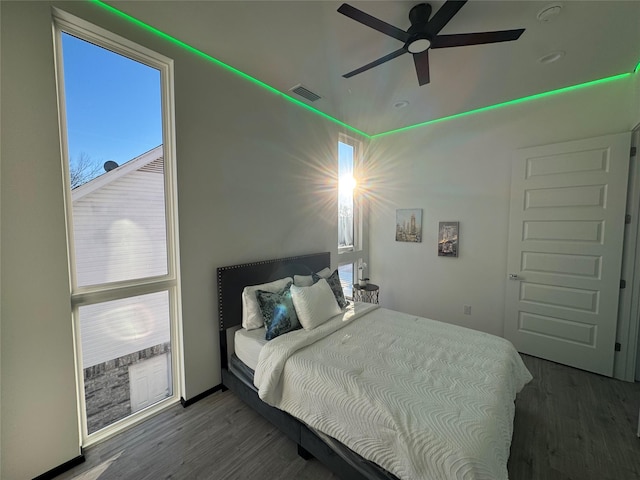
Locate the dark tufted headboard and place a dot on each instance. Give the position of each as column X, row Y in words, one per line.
column 233, row 279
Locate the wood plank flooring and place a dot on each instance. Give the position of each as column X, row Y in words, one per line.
column 569, row 425
column 575, row 425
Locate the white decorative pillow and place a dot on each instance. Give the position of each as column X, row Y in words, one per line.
column 324, row 273
column 251, row 314
column 315, row 304
column 307, row 280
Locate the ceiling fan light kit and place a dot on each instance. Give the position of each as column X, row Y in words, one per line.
column 419, row 45
column 424, row 34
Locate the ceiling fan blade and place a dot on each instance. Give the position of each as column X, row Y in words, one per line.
column 375, row 63
column 373, row 22
column 443, row 15
column 462, row 39
column 421, row 61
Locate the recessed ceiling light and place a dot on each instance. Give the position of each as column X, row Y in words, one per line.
column 401, row 104
column 552, row 57
column 548, row 12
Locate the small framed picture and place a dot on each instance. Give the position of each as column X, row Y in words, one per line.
column 448, row 239
column 409, row 225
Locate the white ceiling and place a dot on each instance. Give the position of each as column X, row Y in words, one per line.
column 284, row 43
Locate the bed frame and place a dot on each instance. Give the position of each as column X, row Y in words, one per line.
column 238, row 378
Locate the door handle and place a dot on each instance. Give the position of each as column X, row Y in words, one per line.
column 514, row 276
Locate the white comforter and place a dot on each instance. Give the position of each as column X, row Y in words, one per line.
column 421, row 398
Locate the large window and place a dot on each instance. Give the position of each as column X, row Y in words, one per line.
column 346, row 194
column 345, row 272
column 349, row 211
column 116, row 113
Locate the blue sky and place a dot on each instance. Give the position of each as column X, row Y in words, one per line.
column 113, row 103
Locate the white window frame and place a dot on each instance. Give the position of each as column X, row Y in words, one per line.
column 92, row 294
column 357, row 201
column 359, row 251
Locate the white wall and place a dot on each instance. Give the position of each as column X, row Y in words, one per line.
column 254, row 179
column 459, row 170
column 39, row 407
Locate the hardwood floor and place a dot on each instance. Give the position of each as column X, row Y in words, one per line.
column 569, row 425
column 575, row 425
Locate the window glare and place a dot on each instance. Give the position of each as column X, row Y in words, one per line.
column 346, row 185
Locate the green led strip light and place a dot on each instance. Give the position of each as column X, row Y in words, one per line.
column 504, row 104
column 268, row 87
column 188, row 47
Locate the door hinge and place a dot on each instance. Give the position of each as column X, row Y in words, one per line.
column 618, row 346
column 627, row 219
column 623, row 284
column 633, row 151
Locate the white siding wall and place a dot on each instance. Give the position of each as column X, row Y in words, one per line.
column 113, row 329
column 120, row 231
column 120, row 234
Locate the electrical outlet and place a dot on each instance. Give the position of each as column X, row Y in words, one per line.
column 467, row 309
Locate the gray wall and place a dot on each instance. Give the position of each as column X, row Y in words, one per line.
column 460, row 170
column 254, row 181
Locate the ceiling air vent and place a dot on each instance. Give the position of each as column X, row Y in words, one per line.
column 304, row 92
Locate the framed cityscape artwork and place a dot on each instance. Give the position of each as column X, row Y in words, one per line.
column 409, row 225
column 448, row 239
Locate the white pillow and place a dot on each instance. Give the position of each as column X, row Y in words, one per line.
column 307, row 280
column 251, row 315
column 315, row 304
column 325, row 272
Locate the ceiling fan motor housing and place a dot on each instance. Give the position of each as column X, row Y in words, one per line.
column 419, row 16
column 419, row 39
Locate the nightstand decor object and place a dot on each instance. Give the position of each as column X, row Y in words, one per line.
column 368, row 293
column 362, row 280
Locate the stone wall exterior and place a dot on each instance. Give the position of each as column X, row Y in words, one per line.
column 106, row 387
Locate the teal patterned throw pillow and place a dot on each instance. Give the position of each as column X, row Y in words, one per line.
column 278, row 312
column 336, row 287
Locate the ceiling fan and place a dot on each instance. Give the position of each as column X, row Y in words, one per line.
column 422, row 35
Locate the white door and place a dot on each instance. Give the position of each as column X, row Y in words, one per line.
column 149, row 382
column 566, row 229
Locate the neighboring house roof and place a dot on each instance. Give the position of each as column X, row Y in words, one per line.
column 151, row 161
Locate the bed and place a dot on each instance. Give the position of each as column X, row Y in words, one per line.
column 372, row 393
